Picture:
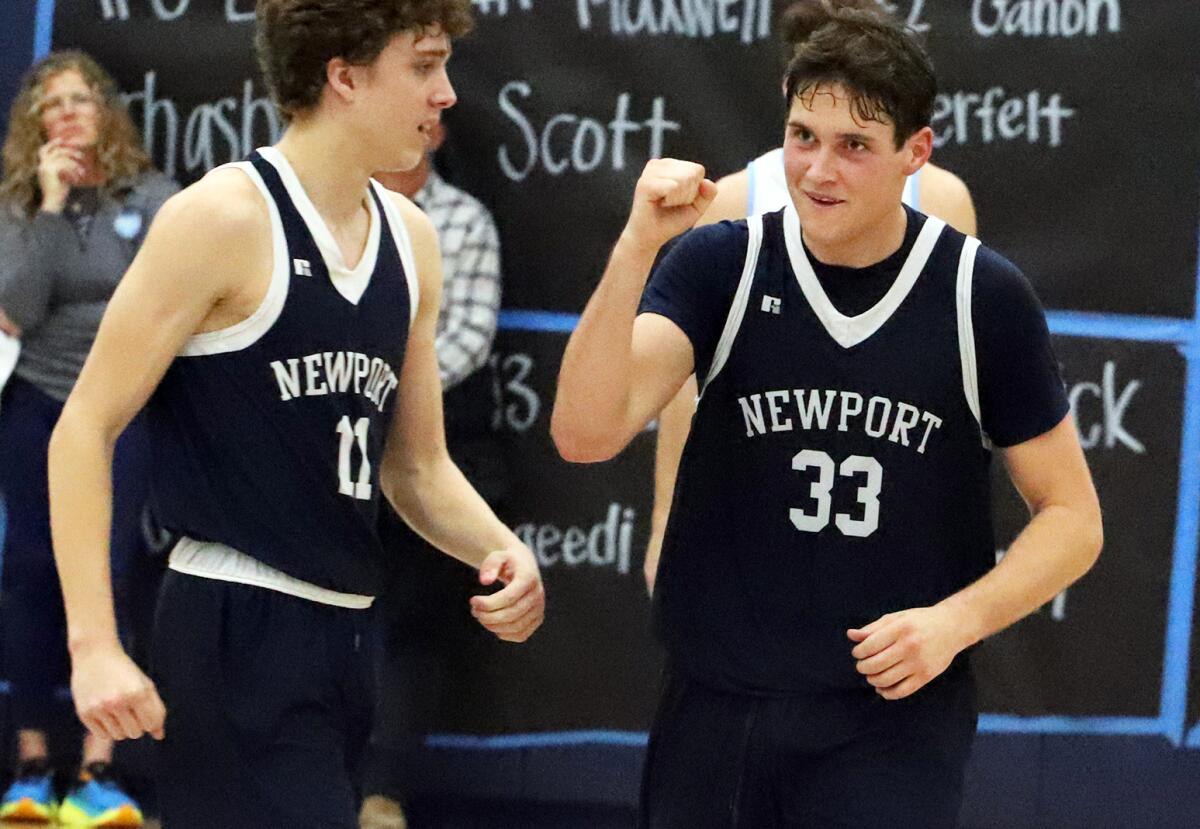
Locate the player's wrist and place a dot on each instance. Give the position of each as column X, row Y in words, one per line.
column 90, row 642
column 965, row 622
column 633, row 243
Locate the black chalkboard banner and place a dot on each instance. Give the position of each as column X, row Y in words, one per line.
column 1073, row 122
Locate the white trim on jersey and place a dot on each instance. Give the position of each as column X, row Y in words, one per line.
column 351, row 283
column 403, row 247
column 850, row 331
column 966, row 331
column 209, row 560
column 737, row 309
column 244, row 334
column 767, row 186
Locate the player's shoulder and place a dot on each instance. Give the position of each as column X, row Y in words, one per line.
column 420, row 228
column 718, row 241
column 945, row 195
column 710, row 255
column 937, row 180
column 999, row 286
column 991, row 266
column 225, row 204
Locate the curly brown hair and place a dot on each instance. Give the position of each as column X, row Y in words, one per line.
column 295, row 39
column 879, row 62
column 119, row 149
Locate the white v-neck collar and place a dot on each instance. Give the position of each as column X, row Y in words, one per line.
column 351, row 283
column 850, row 331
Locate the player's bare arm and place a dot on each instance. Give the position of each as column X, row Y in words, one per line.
column 620, row 369
column 170, row 292
column 946, row 196
column 424, row 484
column 900, row 652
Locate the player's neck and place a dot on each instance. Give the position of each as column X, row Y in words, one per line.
column 872, row 245
column 334, row 187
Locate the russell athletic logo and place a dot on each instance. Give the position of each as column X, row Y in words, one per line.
column 771, row 305
column 302, row 266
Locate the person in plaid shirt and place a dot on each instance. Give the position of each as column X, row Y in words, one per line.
column 414, row 623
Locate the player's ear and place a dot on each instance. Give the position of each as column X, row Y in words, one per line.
column 343, row 79
column 917, row 149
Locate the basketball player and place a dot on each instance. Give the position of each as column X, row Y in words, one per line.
column 829, row 555
column 281, row 312
column 761, row 187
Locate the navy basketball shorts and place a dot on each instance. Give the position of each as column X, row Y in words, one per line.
column 854, row 760
column 268, row 706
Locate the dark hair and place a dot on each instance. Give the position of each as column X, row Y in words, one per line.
column 801, row 18
column 876, row 60
column 296, row 39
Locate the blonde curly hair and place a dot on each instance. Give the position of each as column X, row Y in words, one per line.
column 118, row 148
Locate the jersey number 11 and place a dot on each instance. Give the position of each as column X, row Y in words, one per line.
column 361, row 488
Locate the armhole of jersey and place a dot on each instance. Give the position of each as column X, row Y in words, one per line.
column 403, row 247
column 966, row 332
column 737, row 310
column 250, row 330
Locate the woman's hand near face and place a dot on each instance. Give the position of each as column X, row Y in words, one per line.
column 61, row 165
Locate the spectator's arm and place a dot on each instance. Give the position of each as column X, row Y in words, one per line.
column 470, row 305
column 26, row 272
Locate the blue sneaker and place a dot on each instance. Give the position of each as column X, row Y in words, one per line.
column 30, row 798
column 97, row 799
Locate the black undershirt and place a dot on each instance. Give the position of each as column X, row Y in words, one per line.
column 856, row 290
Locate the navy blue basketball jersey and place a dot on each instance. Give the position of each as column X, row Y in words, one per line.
column 269, row 434
column 836, row 468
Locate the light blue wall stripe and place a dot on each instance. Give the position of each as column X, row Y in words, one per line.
column 1193, row 738
column 1181, row 611
column 1065, row 323
column 1010, row 724
column 1120, row 327
column 43, row 32
column 988, row 723
column 548, row 739
column 552, row 321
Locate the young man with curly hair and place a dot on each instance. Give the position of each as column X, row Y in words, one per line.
column 279, row 320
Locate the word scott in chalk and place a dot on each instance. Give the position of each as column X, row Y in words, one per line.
column 576, row 142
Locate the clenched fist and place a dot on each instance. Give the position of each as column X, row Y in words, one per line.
column 670, row 197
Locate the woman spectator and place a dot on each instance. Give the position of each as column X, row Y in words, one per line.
column 77, row 195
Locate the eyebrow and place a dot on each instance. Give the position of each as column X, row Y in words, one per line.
column 433, row 51
column 793, row 124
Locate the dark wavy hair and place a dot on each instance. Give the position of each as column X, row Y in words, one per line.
column 295, row 39
column 119, row 151
column 801, row 18
column 875, row 59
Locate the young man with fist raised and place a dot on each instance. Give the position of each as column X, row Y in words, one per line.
column 829, row 556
